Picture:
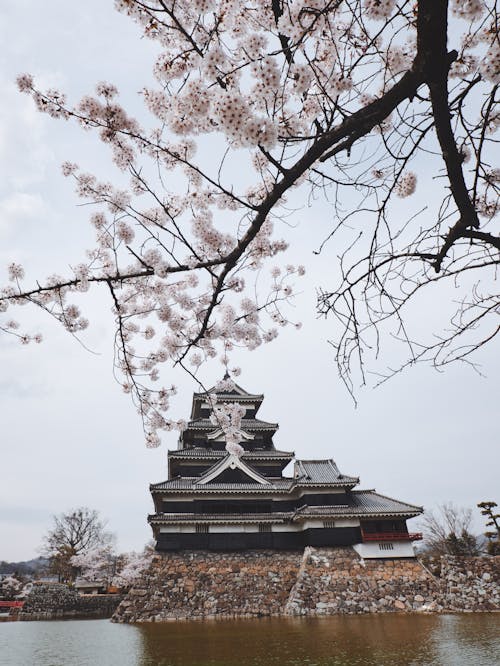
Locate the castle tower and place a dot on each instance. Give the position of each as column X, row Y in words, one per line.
column 215, row 499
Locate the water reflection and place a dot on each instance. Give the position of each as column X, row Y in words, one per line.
column 371, row 640
column 69, row 643
column 383, row 640
column 470, row 639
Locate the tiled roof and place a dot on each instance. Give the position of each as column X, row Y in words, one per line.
column 308, row 473
column 369, row 500
column 236, row 397
column 319, row 475
column 221, row 518
column 321, row 471
column 239, row 393
column 188, row 483
column 362, row 504
column 250, row 455
column 246, row 424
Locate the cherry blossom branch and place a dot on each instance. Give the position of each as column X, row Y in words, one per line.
column 342, row 99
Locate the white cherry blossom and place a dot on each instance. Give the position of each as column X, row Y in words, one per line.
column 308, row 96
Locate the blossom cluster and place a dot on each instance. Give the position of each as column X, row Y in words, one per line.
column 104, row 565
column 265, row 82
column 406, row 185
column 134, row 565
column 227, row 416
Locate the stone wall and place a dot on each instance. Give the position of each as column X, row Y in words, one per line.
column 317, row 581
column 471, row 583
column 57, row 602
column 337, row 580
column 205, row 584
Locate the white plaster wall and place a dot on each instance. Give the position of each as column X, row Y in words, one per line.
column 373, row 549
column 346, row 522
column 280, row 527
column 231, row 529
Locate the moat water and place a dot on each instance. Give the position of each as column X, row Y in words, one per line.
column 382, row 640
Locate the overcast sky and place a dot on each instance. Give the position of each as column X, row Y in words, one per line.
column 70, row 437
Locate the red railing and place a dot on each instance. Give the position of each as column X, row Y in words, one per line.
column 391, row 536
column 11, row 604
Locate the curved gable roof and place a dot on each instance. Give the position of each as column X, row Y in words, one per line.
column 231, row 462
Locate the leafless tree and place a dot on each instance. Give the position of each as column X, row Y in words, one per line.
column 73, row 533
column 447, row 531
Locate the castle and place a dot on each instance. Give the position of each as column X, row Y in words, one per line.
column 221, row 500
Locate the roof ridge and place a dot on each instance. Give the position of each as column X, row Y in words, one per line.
column 306, row 460
column 254, row 418
column 237, row 390
column 248, row 418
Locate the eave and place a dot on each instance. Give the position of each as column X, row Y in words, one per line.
column 277, row 517
column 204, row 424
column 230, row 489
column 189, row 454
column 188, row 519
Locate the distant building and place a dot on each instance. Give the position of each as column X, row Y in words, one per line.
column 90, row 586
column 215, row 500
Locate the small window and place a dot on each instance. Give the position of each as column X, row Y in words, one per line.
column 329, row 523
column 201, row 528
column 264, row 527
column 385, row 546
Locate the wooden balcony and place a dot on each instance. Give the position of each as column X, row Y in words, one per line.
column 391, row 536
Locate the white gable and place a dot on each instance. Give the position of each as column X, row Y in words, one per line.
column 231, row 462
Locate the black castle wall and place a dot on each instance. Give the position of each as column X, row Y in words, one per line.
column 338, row 536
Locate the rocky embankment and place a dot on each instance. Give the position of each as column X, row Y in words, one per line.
column 318, row 581
column 57, row 602
column 470, row 583
column 336, row 580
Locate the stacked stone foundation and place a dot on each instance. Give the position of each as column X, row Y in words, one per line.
column 205, row 584
column 338, row 581
column 58, row 602
column 316, row 581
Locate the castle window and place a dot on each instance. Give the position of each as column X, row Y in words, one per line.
column 385, row 546
column 329, row 523
column 264, row 527
column 201, row 528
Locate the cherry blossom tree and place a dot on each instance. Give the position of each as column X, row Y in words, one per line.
column 134, row 564
column 103, row 564
column 97, row 564
column 356, row 100
column 10, row 588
